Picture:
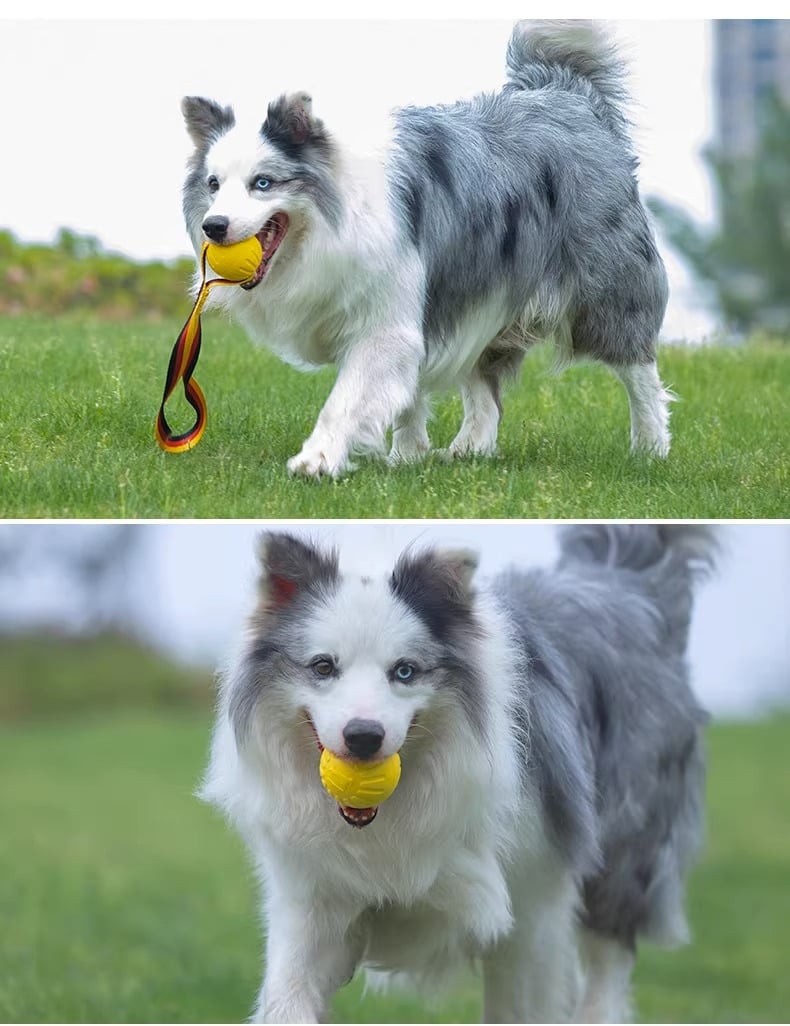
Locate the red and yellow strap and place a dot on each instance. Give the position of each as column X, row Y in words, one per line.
column 183, row 360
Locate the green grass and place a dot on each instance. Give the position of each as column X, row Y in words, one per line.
column 80, row 399
column 123, row 899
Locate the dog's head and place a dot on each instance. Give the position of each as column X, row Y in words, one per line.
column 272, row 182
column 353, row 663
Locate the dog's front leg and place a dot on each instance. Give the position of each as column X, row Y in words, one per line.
column 533, row 974
column 377, row 379
column 311, row 951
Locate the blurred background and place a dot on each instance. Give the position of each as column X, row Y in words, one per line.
column 183, row 590
column 126, row 900
column 92, row 220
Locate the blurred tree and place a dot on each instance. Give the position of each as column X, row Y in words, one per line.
column 91, row 567
column 73, row 244
column 75, row 275
column 745, row 259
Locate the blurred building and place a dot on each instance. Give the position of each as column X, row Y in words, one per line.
column 751, row 60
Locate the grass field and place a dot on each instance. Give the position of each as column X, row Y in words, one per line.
column 79, row 403
column 123, row 899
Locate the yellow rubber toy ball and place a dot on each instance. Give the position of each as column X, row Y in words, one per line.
column 359, row 785
column 236, row 262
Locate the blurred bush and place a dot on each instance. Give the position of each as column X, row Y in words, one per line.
column 76, row 275
column 47, row 676
column 744, row 261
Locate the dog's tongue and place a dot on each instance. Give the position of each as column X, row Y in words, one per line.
column 357, row 817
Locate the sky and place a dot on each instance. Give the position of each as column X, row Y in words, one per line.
column 194, row 586
column 97, row 143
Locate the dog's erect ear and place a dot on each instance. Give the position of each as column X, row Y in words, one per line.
column 290, row 123
column 437, row 586
column 290, row 567
column 461, row 565
column 206, row 121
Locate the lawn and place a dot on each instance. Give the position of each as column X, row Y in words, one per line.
column 123, row 899
column 80, row 400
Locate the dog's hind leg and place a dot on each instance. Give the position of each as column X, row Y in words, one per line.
column 482, row 399
column 608, row 980
column 649, row 402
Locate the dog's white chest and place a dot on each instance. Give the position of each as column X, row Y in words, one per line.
column 421, row 940
column 466, row 909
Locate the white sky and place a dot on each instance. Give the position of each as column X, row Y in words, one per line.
column 93, row 137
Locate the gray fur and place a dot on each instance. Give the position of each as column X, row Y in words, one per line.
column 436, row 586
column 532, row 191
column 309, row 150
column 614, row 729
column 206, row 121
column 573, row 56
column 295, row 576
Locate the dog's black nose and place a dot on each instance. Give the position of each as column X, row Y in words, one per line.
column 363, row 737
column 216, row 228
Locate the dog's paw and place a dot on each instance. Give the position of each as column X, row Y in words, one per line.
column 655, row 446
column 464, row 451
column 314, row 462
column 401, row 455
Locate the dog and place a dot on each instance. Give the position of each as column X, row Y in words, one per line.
column 488, row 225
column 551, row 795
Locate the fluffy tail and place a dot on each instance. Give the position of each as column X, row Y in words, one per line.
column 575, row 56
column 669, row 558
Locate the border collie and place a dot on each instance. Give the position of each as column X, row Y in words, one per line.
column 551, row 794
column 487, row 225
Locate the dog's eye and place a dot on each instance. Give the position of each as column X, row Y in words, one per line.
column 212, row 183
column 322, row 666
column 261, row 184
column 404, row 672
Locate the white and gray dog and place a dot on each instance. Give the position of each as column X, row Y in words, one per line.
column 490, row 224
column 551, row 794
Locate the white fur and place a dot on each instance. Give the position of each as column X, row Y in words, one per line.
column 608, row 967
column 649, row 402
column 456, row 866
column 481, row 420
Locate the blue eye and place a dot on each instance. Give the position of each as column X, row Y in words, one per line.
column 213, row 183
column 404, row 672
column 262, row 184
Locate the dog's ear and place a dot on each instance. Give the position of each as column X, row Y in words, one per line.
column 206, row 121
column 437, row 586
column 461, row 565
column 290, row 567
column 290, row 123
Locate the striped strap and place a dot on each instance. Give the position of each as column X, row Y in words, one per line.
column 183, row 361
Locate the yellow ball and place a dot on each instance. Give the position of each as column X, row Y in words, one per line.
column 359, row 785
column 237, row 262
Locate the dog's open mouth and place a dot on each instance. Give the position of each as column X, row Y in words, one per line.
column 270, row 237
column 357, row 817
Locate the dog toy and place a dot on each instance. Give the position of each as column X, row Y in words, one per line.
column 235, row 265
column 359, row 785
